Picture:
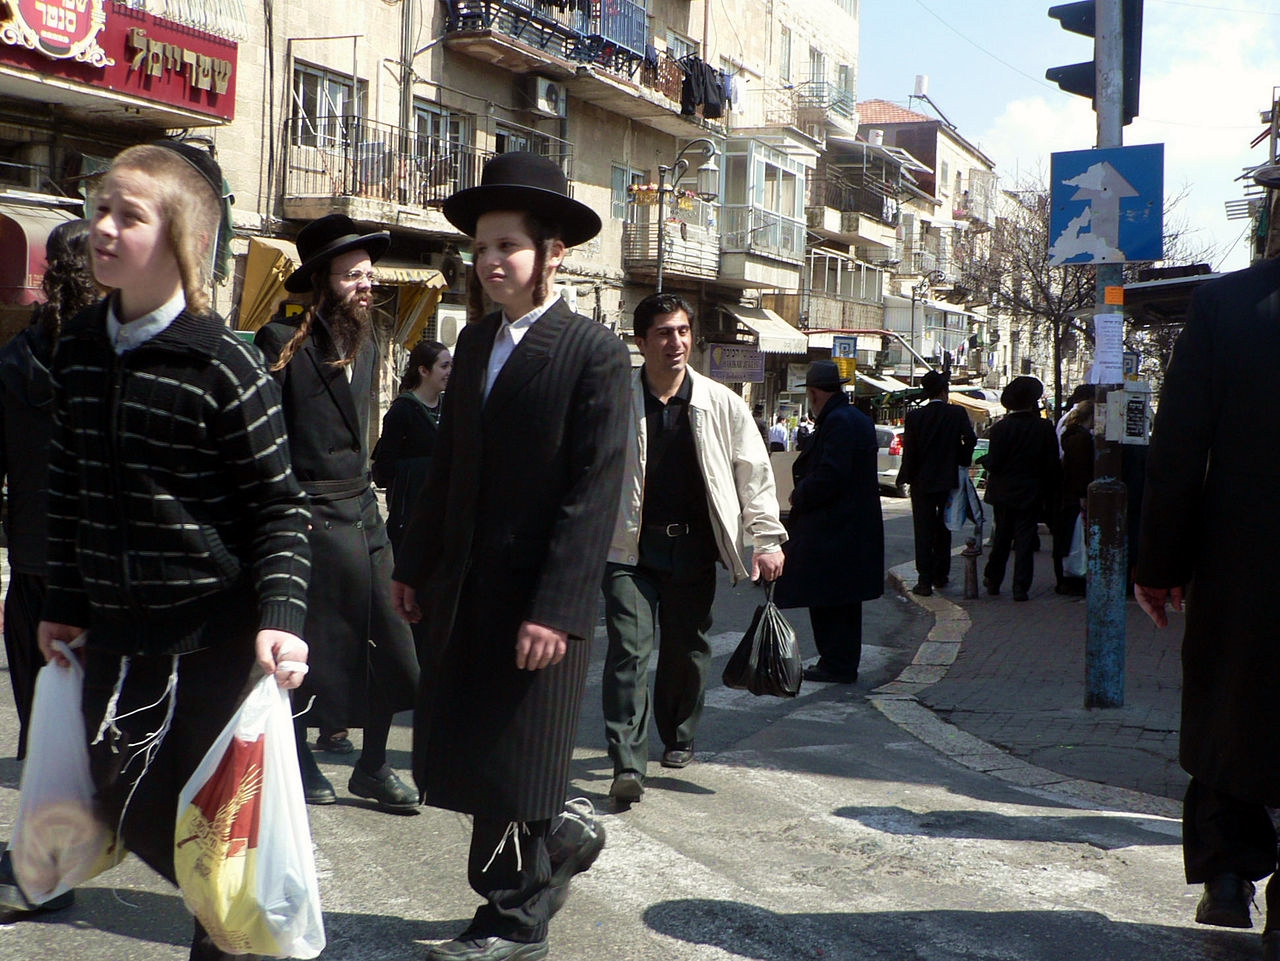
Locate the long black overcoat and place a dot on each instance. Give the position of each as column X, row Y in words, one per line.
column 1211, row 520
column 514, row 525
column 360, row 648
column 1022, row 462
column 835, row 554
column 937, row 440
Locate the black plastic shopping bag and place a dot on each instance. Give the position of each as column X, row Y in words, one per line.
column 767, row 660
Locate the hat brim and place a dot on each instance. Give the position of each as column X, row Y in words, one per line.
column 578, row 222
column 832, row 386
column 375, row 244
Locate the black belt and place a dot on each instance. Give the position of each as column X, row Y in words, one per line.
column 334, row 490
column 674, row 529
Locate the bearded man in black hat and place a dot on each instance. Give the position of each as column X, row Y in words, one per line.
column 937, row 440
column 364, row 668
column 503, row 556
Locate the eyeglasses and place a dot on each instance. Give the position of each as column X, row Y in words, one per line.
column 355, row 276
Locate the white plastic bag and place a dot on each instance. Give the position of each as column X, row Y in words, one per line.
column 1076, row 562
column 58, row 840
column 242, row 845
column 964, row 506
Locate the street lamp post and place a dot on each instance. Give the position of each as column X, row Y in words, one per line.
column 708, row 188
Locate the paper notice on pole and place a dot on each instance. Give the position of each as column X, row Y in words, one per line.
column 1108, row 349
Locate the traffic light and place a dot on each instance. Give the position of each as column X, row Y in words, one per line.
column 1080, row 78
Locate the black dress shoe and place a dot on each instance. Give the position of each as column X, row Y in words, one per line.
column 940, row 583
column 335, row 743
column 316, row 788
column 391, row 793
column 487, row 949
column 677, row 756
column 14, row 902
column 575, row 841
column 627, row 787
column 992, row 587
column 822, row 676
column 1225, row 902
column 922, row 590
column 1020, row 596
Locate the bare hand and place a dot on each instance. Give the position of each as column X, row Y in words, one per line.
column 767, row 566
column 1153, row 599
column 538, row 646
column 48, row 633
column 405, row 600
column 274, row 648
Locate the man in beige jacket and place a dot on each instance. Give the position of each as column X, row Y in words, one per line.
column 698, row 487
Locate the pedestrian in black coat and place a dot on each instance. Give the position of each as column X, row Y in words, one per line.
column 1210, row 524
column 1022, row 476
column 1077, row 446
column 365, row 667
column 937, row 440
column 504, row 554
column 835, row 553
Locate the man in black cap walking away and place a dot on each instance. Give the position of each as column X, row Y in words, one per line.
column 835, row 557
column 364, row 668
column 937, row 440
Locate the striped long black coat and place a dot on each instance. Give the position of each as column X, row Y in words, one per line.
column 513, row 525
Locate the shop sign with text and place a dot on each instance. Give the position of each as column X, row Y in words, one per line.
column 732, row 364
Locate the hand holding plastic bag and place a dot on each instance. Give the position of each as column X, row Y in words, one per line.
column 242, row 845
column 58, row 840
column 767, row 660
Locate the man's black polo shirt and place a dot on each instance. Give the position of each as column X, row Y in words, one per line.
column 674, row 491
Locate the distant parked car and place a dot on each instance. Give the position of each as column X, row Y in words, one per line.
column 889, row 458
column 978, row 472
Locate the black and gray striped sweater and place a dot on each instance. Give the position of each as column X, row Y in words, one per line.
column 175, row 521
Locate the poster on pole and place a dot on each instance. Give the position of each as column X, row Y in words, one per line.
column 1108, row 349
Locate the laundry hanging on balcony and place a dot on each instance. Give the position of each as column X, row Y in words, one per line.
column 701, row 88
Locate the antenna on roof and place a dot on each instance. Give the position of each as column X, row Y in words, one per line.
column 922, row 93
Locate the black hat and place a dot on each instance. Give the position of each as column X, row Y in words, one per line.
column 934, row 383
column 524, row 181
column 322, row 240
column 1022, row 393
column 824, row 375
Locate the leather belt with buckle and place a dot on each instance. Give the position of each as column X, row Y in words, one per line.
column 672, row 530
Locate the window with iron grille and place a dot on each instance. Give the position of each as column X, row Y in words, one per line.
column 622, row 178
column 324, row 104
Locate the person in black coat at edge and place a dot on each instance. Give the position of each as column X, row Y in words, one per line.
column 835, row 554
column 1077, row 473
column 409, row 429
column 1022, row 474
column 26, row 426
column 937, row 440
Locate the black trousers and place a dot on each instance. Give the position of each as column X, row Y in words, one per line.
column 1016, row 530
column 517, row 906
column 22, row 606
column 837, row 633
column 211, row 685
column 933, row 540
column 1222, row 834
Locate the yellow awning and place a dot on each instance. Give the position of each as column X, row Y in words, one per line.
column 410, row 275
column 266, row 266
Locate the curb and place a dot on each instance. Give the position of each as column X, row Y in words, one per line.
column 898, row 701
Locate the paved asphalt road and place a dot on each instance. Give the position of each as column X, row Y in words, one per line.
column 812, row 828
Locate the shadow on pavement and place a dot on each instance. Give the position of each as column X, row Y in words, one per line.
column 1105, row 833
column 747, row 931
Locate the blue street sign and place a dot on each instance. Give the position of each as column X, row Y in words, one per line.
column 1107, row 206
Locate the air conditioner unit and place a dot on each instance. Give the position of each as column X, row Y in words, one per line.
column 548, row 97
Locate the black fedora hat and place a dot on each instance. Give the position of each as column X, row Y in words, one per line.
column 824, row 375
column 322, row 240
column 524, row 181
column 934, row 383
column 1021, row 393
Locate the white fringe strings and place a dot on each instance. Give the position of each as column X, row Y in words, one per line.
column 513, row 832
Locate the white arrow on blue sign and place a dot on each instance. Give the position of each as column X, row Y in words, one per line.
column 1107, row 206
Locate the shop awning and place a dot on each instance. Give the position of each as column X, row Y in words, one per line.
column 987, row 407
column 395, row 274
column 24, row 228
column 268, row 263
column 882, row 383
column 775, row 335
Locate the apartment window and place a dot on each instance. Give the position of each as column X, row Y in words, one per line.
column 848, row 80
column 508, row 138
column 784, row 54
column 623, row 177
column 817, row 65
column 324, row 103
column 680, row 47
column 944, row 176
column 442, row 140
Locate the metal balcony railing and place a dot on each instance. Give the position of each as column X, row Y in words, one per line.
column 871, row 197
column 692, row 241
column 828, row 97
column 752, row 230
column 353, row 157
column 611, row 33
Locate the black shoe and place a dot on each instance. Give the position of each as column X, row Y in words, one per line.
column 575, row 841
column 678, row 756
column 627, row 787
column 822, row 676
column 940, row 583
column 335, row 743
column 316, row 788
column 391, row 793
column 992, row 587
column 1020, row 596
column 922, row 590
column 487, row 949
column 13, row 901
column 1225, row 902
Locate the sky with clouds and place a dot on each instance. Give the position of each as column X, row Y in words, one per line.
column 1209, row 67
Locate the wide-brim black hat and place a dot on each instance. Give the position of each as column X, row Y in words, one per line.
column 322, row 240
column 824, row 375
column 524, row 181
column 1021, row 393
column 934, row 382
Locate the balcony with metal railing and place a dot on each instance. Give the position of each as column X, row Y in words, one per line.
column 753, row 230
column 366, row 169
column 692, row 242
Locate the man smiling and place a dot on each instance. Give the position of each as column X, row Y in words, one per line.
column 697, row 484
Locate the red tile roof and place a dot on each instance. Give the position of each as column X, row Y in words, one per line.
column 882, row 111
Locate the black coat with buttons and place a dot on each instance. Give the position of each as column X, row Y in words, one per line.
column 360, row 648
